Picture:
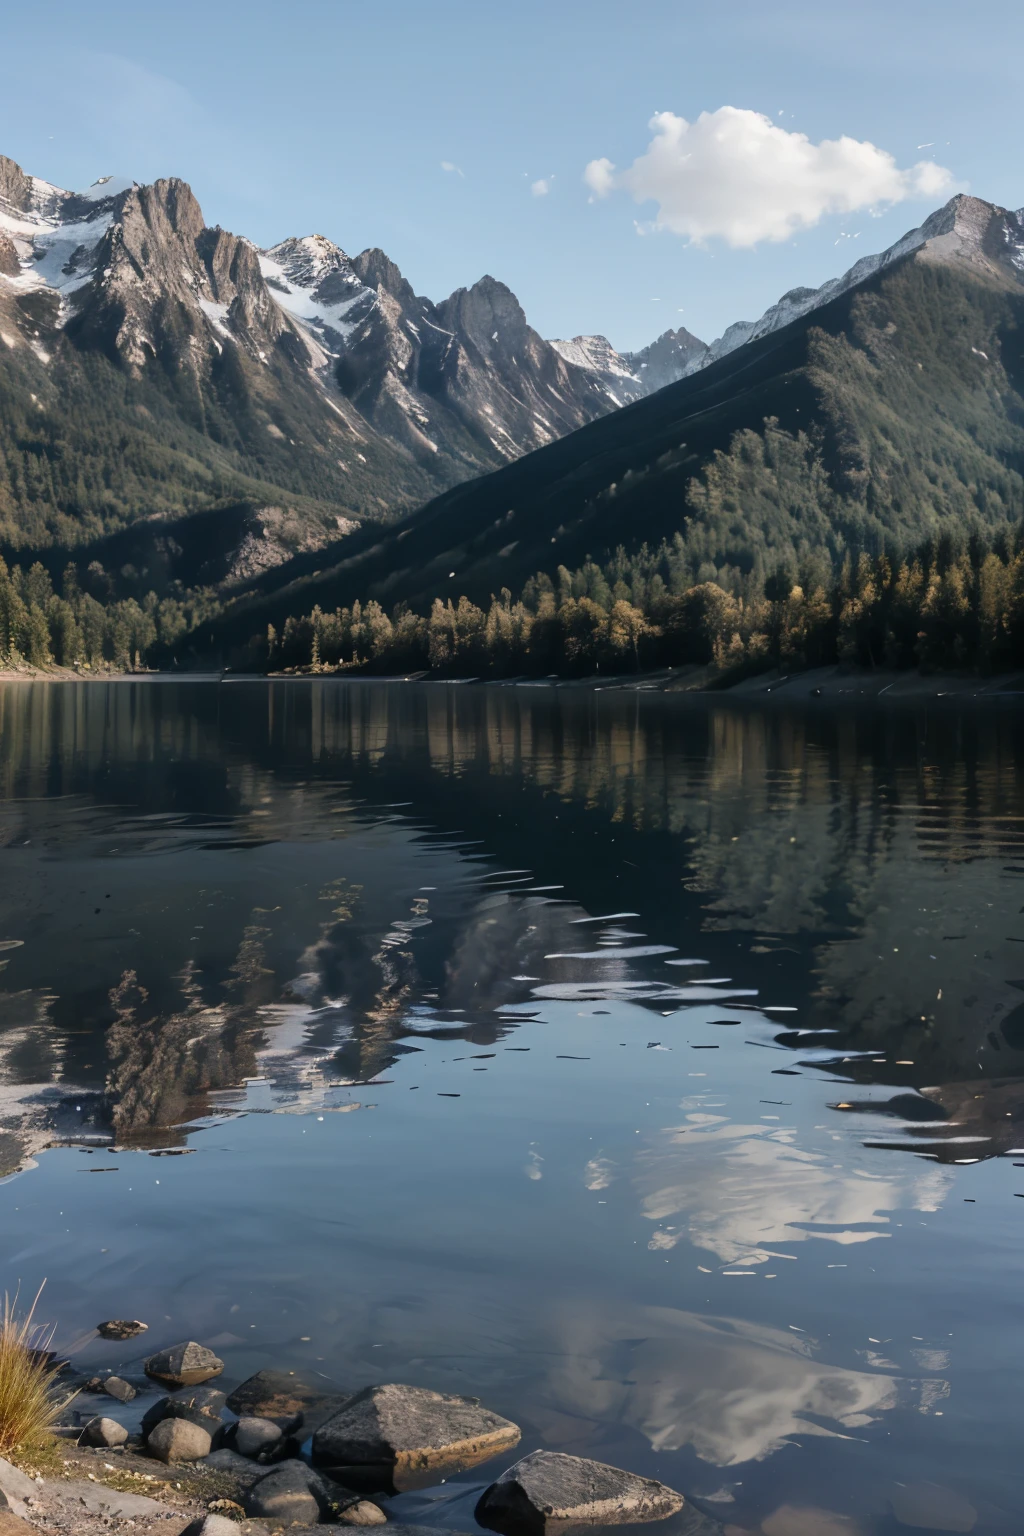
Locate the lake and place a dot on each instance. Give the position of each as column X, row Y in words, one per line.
column 649, row 1067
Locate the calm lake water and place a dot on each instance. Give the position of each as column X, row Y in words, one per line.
column 650, row 1068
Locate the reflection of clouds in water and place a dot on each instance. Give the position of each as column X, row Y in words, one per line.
column 734, row 1391
column 744, row 1186
column 599, row 1173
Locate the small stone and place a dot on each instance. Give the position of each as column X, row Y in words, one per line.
column 292, row 1494
column 121, row 1328
column 115, row 1386
column 211, row 1525
column 362, row 1512
column 178, row 1440
column 184, row 1365
column 102, row 1432
column 250, row 1436
column 548, row 1488
column 395, row 1438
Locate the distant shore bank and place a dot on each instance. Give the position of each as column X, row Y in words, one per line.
column 828, row 685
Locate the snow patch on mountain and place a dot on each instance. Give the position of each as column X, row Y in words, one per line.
column 57, row 234
column 315, row 282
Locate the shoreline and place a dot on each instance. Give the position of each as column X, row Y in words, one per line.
column 822, row 685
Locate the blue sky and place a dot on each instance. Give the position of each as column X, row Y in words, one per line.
column 337, row 118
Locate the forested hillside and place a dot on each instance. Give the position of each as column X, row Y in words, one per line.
column 850, row 485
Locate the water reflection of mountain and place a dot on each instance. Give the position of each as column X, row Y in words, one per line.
column 869, row 863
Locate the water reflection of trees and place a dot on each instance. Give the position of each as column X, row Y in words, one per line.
column 888, row 846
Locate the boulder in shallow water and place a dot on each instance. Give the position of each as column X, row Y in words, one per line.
column 184, row 1365
column 394, row 1438
column 178, row 1440
column 293, row 1494
column 549, row 1489
column 116, row 1386
column 121, row 1328
column 249, row 1436
column 101, row 1432
column 200, row 1405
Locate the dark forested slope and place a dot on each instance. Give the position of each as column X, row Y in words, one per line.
column 887, row 416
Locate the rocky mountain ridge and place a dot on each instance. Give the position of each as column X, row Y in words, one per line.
column 297, row 375
column 628, row 376
column 964, row 229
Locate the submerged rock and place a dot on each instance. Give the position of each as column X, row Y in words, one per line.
column 287, row 1398
column 102, row 1432
column 249, row 1436
column 184, row 1365
column 395, row 1438
column 179, row 1440
column 121, row 1328
column 293, row 1494
column 550, row 1488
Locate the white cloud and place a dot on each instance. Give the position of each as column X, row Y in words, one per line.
column 735, row 175
column 448, row 165
column 541, row 188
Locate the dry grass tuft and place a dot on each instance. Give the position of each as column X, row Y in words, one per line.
column 29, row 1402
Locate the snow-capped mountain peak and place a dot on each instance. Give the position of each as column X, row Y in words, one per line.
column 315, row 282
column 53, row 236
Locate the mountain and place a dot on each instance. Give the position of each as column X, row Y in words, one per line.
column 884, row 410
column 154, row 367
column 466, row 382
column 669, row 358
column 628, row 376
column 963, row 230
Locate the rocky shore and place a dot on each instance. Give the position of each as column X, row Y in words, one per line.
column 281, row 1453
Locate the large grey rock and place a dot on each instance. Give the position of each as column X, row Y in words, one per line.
column 102, row 1432
column 184, row 1365
column 178, row 1440
column 550, row 1488
column 200, row 1405
column 292, row 1494
column 249, row 1436
column 394, row 1438
column 287, row 1398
